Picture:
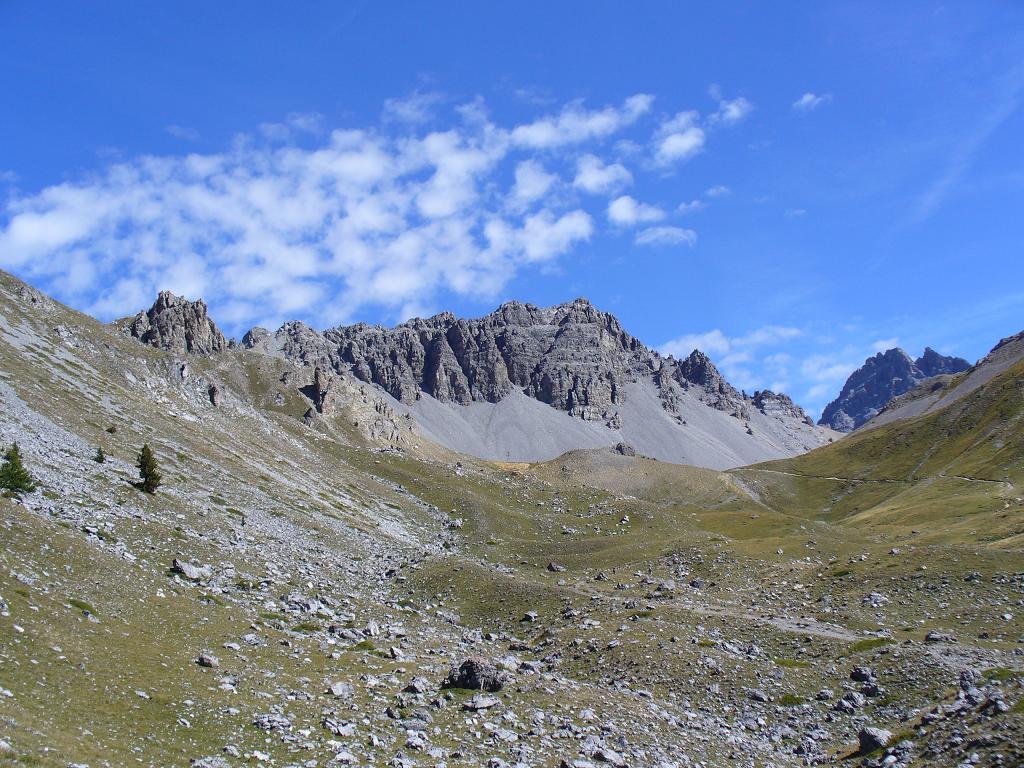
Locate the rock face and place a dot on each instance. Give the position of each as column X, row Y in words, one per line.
column 573, row 357
column 883, row 377
column 178, row 325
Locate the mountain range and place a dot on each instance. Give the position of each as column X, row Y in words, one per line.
column 523, row 383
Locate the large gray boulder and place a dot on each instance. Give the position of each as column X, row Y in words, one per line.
column 475, row 674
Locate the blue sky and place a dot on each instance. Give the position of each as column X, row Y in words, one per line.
column 789, row 188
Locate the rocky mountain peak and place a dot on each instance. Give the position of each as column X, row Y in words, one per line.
column 884, row 376
column 178, row 325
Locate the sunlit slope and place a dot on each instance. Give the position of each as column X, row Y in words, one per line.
column 952, row 475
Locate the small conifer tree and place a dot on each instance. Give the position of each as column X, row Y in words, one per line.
column 13, row 475
column 148, row 471
column 100, row 456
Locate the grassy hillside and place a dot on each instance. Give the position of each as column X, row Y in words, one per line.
column 954, row 475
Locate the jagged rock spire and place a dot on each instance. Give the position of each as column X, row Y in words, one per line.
column 178, row 325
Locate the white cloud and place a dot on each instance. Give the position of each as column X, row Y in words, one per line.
column 711, row 343
column 691, row 207
column 532, row 183
column 827, row 371
column 666, row 236
column 883, row 345
column 795, row 213
column 678, row 139
column 719, row 190
column 767, row 334
column 739, row 357
column 296, row 122
column 574, row 124
column 730, row 111
column 625, row 211
column 810, row 101
column 416, row 108
column 182, row 132
column 391, row 216
column 543, row 236
column 715, row 342
column 593, row 176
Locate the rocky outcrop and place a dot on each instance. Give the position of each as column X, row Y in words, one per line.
column 321, row 392
column 779, row 405
column 882, row 378
column 178, row 325
column 295, row 341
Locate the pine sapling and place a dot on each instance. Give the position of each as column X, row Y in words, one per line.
column 149, row 473
column 14, row 478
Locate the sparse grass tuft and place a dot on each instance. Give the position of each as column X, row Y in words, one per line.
column 81, row 605
column 792, row 663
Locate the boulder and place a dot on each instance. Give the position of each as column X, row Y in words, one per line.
column 477, row 674
column 190, row 571
column 871, row 739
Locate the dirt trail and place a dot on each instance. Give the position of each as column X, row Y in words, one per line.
column 1005, row 483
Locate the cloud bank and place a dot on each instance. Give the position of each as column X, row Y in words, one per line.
column 295, row 220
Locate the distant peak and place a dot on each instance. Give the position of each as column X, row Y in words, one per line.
column 882, row 377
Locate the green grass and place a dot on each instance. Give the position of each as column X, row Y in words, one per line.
column 789, row 700
column 870, row 644
column 1002, row 674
